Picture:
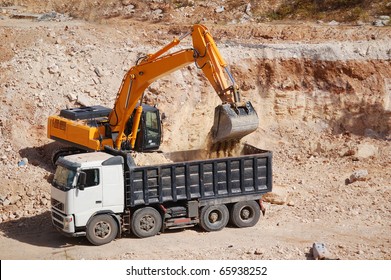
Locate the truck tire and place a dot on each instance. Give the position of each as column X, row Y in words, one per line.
column 214, row 217
column 102, row 229
column 245, row 214
column 146, row 222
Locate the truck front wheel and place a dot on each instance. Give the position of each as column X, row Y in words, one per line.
column 245, row 214
column 214, row 217
column 146, row 222
column 102, row 229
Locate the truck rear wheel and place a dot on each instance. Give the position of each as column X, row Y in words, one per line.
column 102, row 229
column 146, row 222
column 245, row 214
column 214, row 217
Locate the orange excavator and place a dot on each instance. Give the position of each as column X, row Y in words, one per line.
column 132, row 125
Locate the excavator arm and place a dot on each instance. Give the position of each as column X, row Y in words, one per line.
column 133, row 85
column 154, row 66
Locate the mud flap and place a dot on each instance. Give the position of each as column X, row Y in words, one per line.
column 233, row 122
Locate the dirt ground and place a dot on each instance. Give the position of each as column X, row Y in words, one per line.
column 323, row 95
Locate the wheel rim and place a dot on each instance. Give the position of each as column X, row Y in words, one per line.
column 102, row 230
column 246, row 214
column 215, row 216
column 147, row 223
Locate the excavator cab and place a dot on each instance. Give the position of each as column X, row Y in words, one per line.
column 233, row 122
column 149, row 133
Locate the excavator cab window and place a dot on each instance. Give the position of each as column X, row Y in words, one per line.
column 151, row 125
column 149, row 134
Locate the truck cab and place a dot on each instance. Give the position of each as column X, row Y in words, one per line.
column 86, row 185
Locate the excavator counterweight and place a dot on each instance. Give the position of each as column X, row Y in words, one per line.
column 233, row 122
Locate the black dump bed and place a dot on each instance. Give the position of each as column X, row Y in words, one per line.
column 196, row 175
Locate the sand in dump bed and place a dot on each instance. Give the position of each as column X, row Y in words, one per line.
column 227, row 149
column 231, row 148
column 143, row 159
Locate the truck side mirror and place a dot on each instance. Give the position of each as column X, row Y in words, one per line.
column 81, row 182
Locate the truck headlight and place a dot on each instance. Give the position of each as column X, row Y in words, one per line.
column 68, row 222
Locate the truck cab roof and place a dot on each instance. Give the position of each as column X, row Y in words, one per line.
column 92, row 159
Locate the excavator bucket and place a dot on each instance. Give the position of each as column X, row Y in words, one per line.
column 233, row 122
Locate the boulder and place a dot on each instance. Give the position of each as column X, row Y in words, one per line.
column 367, row 150
column 359, row 175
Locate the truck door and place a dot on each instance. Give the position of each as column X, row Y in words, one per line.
column 88, row 200
column 113, row 187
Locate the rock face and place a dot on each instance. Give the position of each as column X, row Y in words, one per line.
column 322, row 91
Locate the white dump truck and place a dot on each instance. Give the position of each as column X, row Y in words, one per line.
column 102, row 195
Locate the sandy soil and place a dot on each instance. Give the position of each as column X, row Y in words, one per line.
column 323, row 96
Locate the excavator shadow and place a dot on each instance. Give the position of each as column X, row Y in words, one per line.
column 368, row 120
column 38, row 231
column 40, row 156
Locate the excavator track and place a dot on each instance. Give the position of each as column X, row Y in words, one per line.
column 65, row 151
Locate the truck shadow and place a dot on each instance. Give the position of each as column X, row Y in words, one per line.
column 38, row 231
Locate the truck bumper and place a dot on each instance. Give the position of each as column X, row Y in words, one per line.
column 65, row 224
column 70, row 234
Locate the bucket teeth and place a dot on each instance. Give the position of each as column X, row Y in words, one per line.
column 233, row 122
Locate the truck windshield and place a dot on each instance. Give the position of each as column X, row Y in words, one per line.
column 63, row 178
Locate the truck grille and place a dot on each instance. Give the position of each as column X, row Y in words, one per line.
column 57, row 216
column 57, row 219
column 57, row 224
column 57, row 204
